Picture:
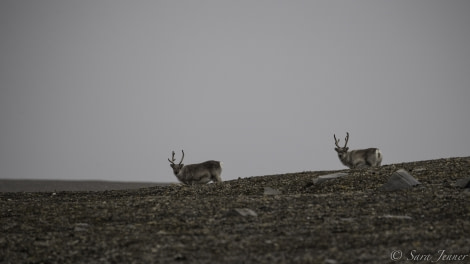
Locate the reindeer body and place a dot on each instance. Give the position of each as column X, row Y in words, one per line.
column 371, row 157
column 200, row 173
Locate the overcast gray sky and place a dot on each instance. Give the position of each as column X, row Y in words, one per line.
column 107, row 89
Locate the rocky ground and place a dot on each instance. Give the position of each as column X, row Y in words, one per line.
column 268, row 219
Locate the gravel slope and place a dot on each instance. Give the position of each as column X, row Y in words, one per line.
column 345, row 220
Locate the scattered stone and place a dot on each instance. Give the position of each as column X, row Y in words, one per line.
column 463, row 183
column 41, row 243
column 179, row 257
column 400, row 180
column 397, row 216
column 246, row 212
column 271, row 191
column 81, row 227
column 323, row 178
column 162, row 233
column 330, row 261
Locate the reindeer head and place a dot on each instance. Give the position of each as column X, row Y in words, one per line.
column 341, row 150
column 176, row 167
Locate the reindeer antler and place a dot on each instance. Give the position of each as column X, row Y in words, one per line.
column 172, row 157
column 182, row 157
column 172, row 161
column 337, row 140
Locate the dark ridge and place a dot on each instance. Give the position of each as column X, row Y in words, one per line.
column 8, row 185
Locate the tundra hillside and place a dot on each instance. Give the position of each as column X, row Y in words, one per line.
column 267, row 219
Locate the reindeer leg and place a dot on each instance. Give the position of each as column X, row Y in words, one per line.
column 216, row 178
column 360, row 165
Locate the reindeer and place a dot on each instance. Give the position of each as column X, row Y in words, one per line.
column 200, row 173
column 371, row 157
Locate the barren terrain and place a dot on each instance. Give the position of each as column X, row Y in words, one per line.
column 266, row 219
